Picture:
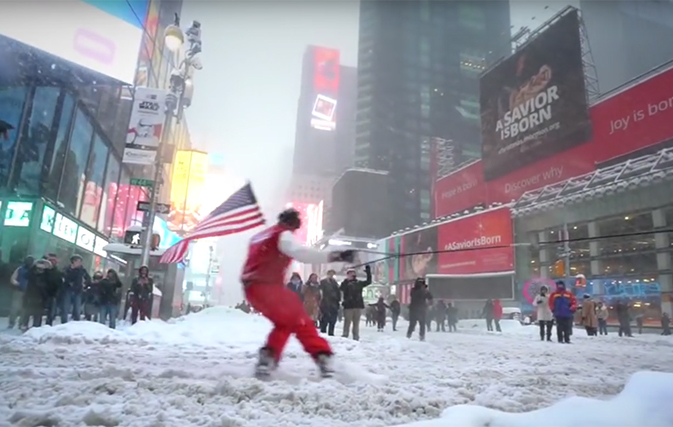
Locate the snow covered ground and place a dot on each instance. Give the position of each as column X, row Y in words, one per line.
column 197, row 370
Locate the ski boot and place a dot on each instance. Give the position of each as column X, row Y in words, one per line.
column 325, row 363
column 266, row 364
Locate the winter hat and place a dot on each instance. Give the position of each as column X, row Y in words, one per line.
column 587, row 296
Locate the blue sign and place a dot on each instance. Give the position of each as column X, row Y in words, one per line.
column 168, row 238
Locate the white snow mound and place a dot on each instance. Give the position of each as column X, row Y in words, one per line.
column 645, row 400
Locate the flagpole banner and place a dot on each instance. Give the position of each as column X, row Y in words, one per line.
column 239, row 213
column 143, row 135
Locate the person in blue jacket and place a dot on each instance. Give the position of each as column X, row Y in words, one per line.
column 563, row 305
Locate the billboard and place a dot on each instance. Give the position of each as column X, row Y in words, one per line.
column 631, row 120
column 187, row 189
column 302, row 235
column 476, row 244
column 533, row 104
column 418, row 254
column 101, row 35
column 146, row 124
column 314, row 230
column 326, row 67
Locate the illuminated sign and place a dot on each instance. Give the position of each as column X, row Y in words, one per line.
column 187, row 189
column 98, row 246
column 100, row 35
column 18, row 214
column 65, row 228
column 48, row 219
column 324, row 108
column 85, row 239
column 314, row 231
column 325, row 87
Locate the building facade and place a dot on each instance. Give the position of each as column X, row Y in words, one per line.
column 624, row 36
column 418, row 78
column 63, row 186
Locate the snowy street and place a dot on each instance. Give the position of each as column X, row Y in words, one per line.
column 197, row 372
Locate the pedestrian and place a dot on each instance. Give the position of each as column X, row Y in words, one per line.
column 418, row 308
column 110, row 298
column 665, row 324
column 91, row 297
column 497, row 314
column 311, row 297
column 353, row 302
column 75, row 279
column 545, row 317
column 380, row 308
column 624, row 318
column 329, row 303
column 589, row 318
column 142, row 290
column 487, row 313
column 395, row 310
column 563, row 304
column 295, row 284
column 452, row 317
column 19, row 281
column 43, row 280
column 602, row 315
column 270, row 253
column 440, row 315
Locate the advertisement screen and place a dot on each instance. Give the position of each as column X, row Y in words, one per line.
column 477, row 244
column 314, row 229
column 187, row 189
column 418, row 257
column 533, row 104
column 325, row 87
column 472, row 288
column 303, row 208
column 101, row 35
column 634, row 119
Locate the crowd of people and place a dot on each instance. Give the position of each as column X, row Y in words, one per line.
column 41, row 291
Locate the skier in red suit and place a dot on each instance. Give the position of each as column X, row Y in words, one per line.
column 269, row 255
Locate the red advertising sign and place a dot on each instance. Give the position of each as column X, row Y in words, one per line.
column 636, row 118
column 480, row 243
column 326, row 77
column 462, row 189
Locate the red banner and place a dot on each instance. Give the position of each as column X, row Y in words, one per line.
column 462, row 189
column 634, row 119
column 326, row 77
column 480, row 243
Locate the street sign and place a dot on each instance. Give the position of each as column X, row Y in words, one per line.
column 162, row 208
column 142, row 182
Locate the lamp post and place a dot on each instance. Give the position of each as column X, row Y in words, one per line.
column 180, row 97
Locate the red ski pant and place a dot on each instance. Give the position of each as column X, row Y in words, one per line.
column 285, row 310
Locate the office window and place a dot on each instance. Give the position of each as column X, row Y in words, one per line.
column 109, row 199
column 57, row 161
column 471, row 15
column 77, row 155
column 93, row 191
column 11, row 108
column 30, row 157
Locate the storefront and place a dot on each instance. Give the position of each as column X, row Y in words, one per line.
column 618, row 222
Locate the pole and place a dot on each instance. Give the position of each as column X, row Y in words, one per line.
column 566, row 249
column 210, row 265
column 156, row 187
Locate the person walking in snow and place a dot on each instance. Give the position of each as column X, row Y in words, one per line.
column 589, row 318
column 545, row 317
column 270, row 254
column 418, row 308
column 379, row 308
column 330, row 299
column 563, row 304
column 487, row 313
column 110, row 298
column 440, row 315
column 142, row 290
column 624, row 318
column 497, row 314
column 452, row 317
column 19, row 281
column 395, row 310
column 602, row 315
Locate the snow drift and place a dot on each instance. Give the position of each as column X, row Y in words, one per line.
column 645, row 400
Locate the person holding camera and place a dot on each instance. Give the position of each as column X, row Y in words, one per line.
column 353, row 303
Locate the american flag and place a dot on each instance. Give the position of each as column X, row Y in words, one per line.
column 238, row 213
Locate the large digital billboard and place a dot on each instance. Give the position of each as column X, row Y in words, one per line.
column 326, row 67
column 311, row 221
column 101, row 35
column 533, row 104
column 187, row 189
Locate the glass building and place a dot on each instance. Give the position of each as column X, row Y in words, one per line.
column 63, row 188
column 418, row 78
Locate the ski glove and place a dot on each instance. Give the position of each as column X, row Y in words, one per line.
column 342, row 256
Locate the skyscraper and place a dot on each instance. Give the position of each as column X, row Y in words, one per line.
column 324, row 136
column 418, row 78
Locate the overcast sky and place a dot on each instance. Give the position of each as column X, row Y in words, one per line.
column 245, row 101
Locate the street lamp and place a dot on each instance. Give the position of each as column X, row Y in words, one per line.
column 180, row 97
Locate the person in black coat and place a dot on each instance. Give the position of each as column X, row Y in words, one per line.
column 110, row 298
column 142, row 292
column 353, row 303
column 330, row 298
column 418, row 308
column 395, row 310
column 380, row 308
column 43, row 282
